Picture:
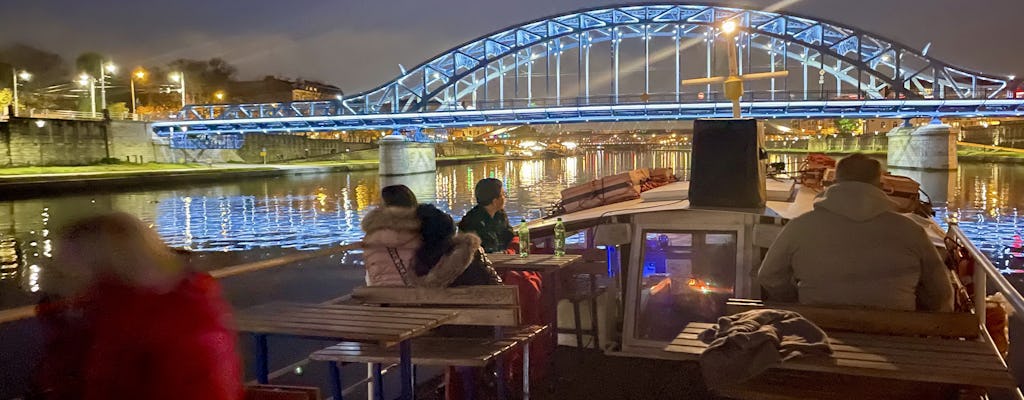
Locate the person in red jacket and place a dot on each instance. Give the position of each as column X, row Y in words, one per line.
column 143, row 327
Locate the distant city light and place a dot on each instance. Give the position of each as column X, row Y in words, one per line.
column 26, row 76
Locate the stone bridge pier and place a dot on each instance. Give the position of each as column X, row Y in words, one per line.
column 399, row 156
column 927, row 147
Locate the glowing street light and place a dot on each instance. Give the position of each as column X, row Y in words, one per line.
column 23, row 76
column 139, row 74
column 85, row 80
column 219, row 95
column 729, row 27
column 105, row 68
column 179, row 77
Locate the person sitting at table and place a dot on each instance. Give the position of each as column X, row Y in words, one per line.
column 416, row 245
column 854, row 249
column 143, row 325
column 392, row 233
column 488, row 219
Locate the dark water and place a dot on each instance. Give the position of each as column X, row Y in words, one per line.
column 263, row 218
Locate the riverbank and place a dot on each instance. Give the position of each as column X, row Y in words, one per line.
column 980, row 156
column 25, row 182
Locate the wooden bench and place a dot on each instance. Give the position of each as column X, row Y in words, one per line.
column 901, row 351
column 863, row 320
column 496, row 306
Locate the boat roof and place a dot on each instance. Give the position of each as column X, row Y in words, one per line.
column 785, row 200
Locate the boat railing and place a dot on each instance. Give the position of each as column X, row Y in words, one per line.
column 986, row 274
column 27, row 312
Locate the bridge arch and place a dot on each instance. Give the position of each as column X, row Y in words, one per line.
column 826, row 60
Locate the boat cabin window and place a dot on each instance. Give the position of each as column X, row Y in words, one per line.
column 687, row 276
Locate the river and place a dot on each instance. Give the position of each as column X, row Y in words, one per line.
column 256, row 219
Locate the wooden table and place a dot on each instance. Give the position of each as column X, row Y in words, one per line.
column 385, row 326
column 550, row 267
column 912, row 358
column 543, row 263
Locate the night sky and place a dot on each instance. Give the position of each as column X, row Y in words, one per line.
column 358, row 44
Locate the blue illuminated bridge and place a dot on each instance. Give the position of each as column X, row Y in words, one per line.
column 625, row 64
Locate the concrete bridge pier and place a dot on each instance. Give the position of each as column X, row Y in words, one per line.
column 399, row 156
column 927, row 147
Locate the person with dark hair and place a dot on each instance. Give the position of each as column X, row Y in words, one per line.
column 853, row 249
column 417, row 245
column 488, row 219
column 398, row 196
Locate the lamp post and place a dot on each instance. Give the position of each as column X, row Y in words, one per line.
column 85, row 80
column 104, row 69
column 139, row 74
column 180, row 77
column 15, row 76
column 734, row 82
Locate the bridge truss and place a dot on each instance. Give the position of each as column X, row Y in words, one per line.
column 627, row 62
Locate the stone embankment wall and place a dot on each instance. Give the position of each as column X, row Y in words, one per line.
column 289, row 147
column 462, row 149
column 836, row 144
column 57, row 142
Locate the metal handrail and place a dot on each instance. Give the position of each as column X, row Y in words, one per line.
column 26, row 312
column 984, row 266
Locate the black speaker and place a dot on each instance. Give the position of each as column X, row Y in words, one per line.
column 726, row 170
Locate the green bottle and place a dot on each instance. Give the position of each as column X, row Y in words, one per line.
column 524, row 239
column 559, row 238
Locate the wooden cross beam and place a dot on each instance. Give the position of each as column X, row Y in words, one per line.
column 733, row 83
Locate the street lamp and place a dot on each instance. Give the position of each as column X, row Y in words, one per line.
column 219, row 95
column 179, row 77
column 139, row 74
column 23, row 76
column 104, row 69
column 85, row 80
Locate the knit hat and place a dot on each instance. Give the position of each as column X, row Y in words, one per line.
column 487, row 190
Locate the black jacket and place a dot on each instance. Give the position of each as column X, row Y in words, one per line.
column 495, row 232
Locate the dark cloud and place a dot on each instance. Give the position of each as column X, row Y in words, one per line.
column 358, row 44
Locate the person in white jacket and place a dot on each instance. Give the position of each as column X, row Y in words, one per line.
column 853, row 249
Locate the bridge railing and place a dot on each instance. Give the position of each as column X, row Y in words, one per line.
column 203, row 112
column 79, row 115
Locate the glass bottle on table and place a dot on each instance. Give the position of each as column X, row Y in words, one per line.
column 559, row 238
column 524, row 239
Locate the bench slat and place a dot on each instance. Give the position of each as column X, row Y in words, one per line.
column 434, row 350
column 920, row 359
column 890, row 322
column 502, row 295
column 349, row 309
column 360, row 321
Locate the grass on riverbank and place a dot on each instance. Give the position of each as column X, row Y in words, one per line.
column 10, row 171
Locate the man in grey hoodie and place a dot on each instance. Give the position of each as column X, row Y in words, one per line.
column 853, row 249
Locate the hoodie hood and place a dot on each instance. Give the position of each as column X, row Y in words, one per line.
column 856, row 201
column 453, row 263
column 392, row 218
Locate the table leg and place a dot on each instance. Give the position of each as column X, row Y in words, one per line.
column 378, row 383
column 262, row 364
column 336, row 391
column 526, row 371
column 405, row 364
column 499, row 365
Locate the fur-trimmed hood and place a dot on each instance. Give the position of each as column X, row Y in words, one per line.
column 393, row 218
column 453, row 263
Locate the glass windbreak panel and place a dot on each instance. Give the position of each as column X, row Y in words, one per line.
column 687, row 277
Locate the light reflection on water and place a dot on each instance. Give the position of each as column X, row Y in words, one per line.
column 264, row 218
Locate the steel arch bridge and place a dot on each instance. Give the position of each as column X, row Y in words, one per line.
column 626, row 63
